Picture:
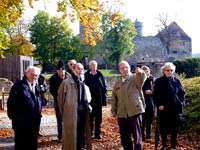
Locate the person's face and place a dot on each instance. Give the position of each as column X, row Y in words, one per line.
column 32, row 76
column 147, row 72
column 168, row 71
column 124, row 69
column 72, row 64
column 61, row 73
column 79, row 70
column 93, row 67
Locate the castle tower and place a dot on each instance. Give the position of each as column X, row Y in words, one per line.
column 138, row 27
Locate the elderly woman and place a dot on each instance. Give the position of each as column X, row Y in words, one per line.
column 169, row 96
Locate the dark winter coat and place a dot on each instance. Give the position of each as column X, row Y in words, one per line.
column 55, row 82
column 24, row 108
column 170, row 93
column 102, row 86
column 148, row 85
column 43, row 88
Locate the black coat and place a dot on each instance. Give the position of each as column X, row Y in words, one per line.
column 24, row 108
column 102, row 86
column 165, row 92
column 55, row 82
column 148, row 85
column 43, row 88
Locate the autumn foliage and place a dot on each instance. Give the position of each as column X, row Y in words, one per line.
column 110, row 140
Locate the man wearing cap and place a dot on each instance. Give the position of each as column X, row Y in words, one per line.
column 55, row 81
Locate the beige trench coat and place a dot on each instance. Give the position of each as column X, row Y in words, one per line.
column 68, row 103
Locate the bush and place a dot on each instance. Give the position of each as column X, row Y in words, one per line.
column 188, row 66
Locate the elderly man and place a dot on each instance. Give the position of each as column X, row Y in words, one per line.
column 96, row 82
column 128, row 104
column 73, row 104
column 24, row 109
column 71, row 66
column 55, row 81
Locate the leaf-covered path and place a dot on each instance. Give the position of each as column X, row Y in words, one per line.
column 110, row 140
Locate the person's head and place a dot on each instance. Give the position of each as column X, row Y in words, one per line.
column 61, row 69
column 146, row 70
column 32, row 73
column 71, row 64
column 124, row 68
column 168, row 69
column 93, row 65
column 79, row 71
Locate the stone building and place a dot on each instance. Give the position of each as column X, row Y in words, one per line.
column 169, row 44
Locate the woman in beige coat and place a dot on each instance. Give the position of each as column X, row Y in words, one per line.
column 73, row 103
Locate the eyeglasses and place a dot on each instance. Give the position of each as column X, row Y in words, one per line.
column 169, row 70
column 34, row 75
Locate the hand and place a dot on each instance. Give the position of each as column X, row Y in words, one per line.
column 149, row 92
column 161, row 107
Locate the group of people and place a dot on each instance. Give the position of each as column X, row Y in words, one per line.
column 137, row 96
column 78, row 100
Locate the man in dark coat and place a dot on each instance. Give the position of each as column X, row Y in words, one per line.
column 55, row 81
column 147, row 117
column 96, row 82
column 24, row 109
column 169, row 97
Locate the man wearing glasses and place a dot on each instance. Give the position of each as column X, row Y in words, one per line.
column 71, row 66
column 24, row 109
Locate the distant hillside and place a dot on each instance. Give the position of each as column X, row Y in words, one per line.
column 196, row 55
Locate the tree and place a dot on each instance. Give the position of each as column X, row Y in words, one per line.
column 54, row 39
column 88, row 12
column 19, row 41
column 117, row 38
column 190, row 67
column 162, row 18
column 10, row 11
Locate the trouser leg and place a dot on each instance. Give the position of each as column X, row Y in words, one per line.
column 81, row 119
column 58, row 119
column 25, row 139
column 92, row 121
column 98, row 121
column 125, row 133
column 143, row 126
column 149, row 121
column 136, row 130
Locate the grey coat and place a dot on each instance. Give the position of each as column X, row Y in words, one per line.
column 68, row 104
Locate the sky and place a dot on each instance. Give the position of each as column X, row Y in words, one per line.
column 184, row 12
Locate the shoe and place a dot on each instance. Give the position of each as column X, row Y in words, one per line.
column 173, row 148
column 99, row 136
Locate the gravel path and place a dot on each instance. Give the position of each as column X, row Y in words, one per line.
column 47, row 128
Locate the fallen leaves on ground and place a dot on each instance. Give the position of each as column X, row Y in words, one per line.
column 110, row 140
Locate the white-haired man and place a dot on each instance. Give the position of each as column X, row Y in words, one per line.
column 24, row 109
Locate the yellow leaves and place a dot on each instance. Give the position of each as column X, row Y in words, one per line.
column 115, row 18
column 88, row 12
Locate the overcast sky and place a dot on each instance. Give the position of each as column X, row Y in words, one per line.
column 185, row 13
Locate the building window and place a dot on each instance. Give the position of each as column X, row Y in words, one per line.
column 175, row 52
